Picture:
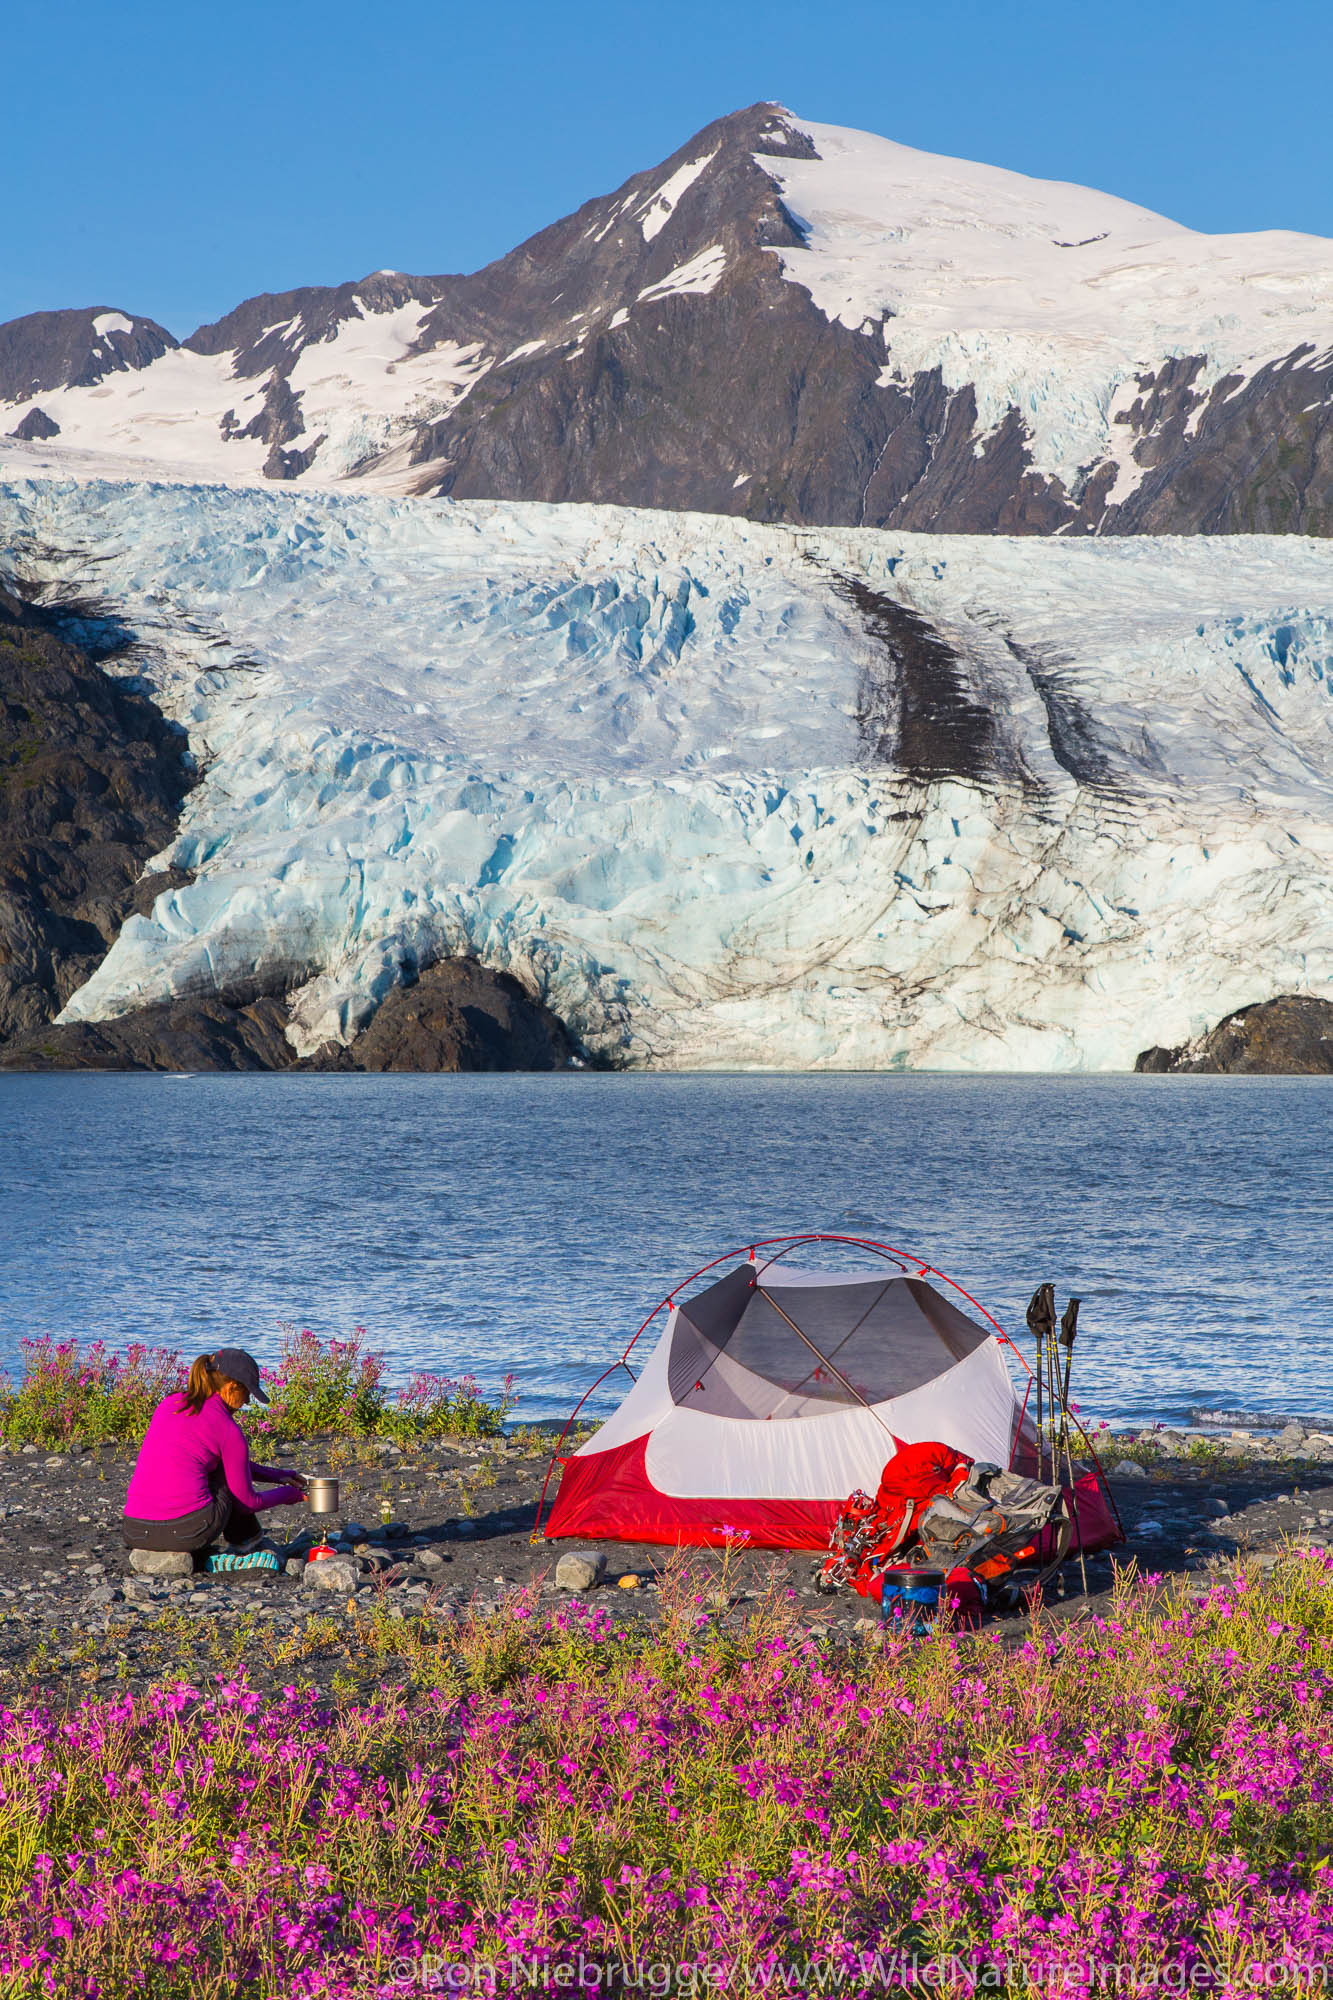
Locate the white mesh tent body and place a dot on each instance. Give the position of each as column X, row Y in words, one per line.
column 774, row 1393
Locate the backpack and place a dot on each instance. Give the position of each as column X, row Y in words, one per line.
column 989, row 1522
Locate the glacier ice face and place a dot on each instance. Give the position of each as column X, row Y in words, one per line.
column 624, row 756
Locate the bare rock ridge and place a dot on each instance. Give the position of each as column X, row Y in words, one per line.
column 92, row 779
column 1289, row 1036
column 660, row 347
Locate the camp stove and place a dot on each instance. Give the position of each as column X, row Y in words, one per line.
column 322, row 1495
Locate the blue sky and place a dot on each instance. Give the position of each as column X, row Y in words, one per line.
column 173, row 159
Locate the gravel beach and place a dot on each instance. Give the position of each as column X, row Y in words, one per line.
column 444, row 1533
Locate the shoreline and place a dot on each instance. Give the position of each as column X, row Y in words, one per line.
column 441, row 1536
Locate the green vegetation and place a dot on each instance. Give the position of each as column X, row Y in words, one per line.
column 69, row 1394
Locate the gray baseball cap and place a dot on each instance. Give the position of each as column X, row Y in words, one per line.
column 238, row 1366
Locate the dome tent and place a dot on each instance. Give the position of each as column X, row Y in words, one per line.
column 776, row 1391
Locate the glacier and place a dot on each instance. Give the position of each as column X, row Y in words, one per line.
column 647, row 763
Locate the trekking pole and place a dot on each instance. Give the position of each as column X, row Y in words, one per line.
column 1068, row 1335
column 1041, row 1318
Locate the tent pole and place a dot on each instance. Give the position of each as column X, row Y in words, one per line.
column 827, row 1363
column 850, row 1335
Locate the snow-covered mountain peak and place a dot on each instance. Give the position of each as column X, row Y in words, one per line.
column 1040, row 295
column 1004, row 250
column 862, row 184
column 784, row 319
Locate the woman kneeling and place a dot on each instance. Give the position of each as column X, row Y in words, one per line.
column 193, row 1480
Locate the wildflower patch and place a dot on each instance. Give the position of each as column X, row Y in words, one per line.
column 1130, row 1803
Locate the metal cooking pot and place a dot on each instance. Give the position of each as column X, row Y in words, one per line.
column 322, row 1495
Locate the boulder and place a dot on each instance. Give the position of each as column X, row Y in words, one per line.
column 161, row 1562
column 333, row 1573
column 580, row 1570
column 1128, row 1468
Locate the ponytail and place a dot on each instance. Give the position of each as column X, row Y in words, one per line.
column 203, row 1381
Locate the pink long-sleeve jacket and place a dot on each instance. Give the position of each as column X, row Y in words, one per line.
column 180, row 1456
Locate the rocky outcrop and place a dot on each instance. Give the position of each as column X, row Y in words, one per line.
column 74, row 349
column 186, row 1035
column 1290, row 1036
column 1253, row 457
column 458, row 1016
column 92, row 777
column 36, row 426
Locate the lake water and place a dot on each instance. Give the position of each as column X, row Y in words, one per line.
column 526, row 1224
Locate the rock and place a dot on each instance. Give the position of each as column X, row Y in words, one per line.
column 1128, row 1468
column 1148, row 1530
column 1218, row 1507
column 92, row 777
column 243, row 1029
column 354, row 1532
column 430, row 1558
column 53, row 1461
column 103, row 1595
column 295, row 1566
column 74, row 347
column 333, row 1573
column 161, row 1562
column 35, row 427
column 580, row 1570
column 1289, row 1036
column 240, row 1029
column 630, row 1582
column 458, row 1015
